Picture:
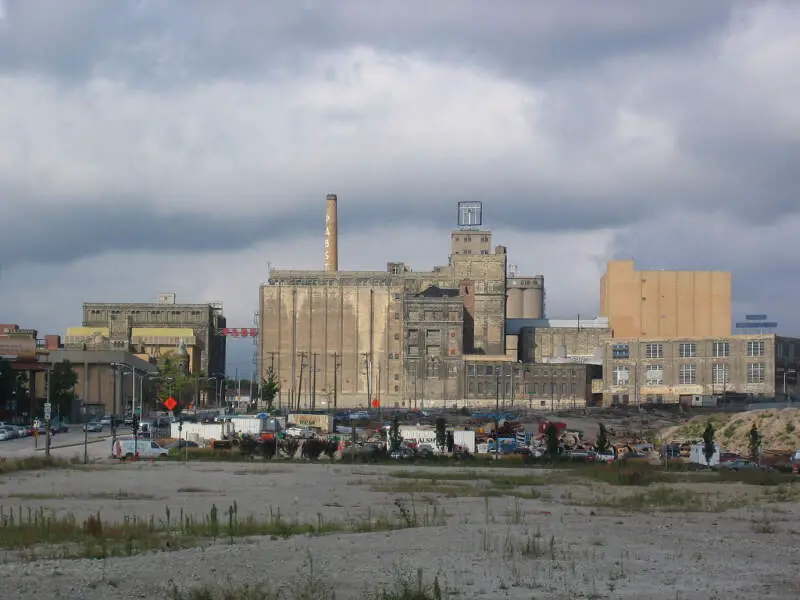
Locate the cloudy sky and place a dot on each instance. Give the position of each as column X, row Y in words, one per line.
column 150, row 146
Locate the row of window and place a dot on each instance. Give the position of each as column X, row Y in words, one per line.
column 480, row 370
column 468, row 238
column 546, row 389
column 688, row 349
column 687, row 374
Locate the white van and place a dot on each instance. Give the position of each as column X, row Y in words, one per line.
column 128, row 447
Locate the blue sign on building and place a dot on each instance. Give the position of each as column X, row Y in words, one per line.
column 757, row 325
column 755, row 317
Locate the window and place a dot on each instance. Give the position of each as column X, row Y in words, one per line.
column 396, row 336
column 563, row 389
column 480, row 387
column 721, row 349
column 452, row 369
column 755, row 348
column 655, row 351
column 719, row 374
column 687, row 350
column 396, row 377
column 534, row 390
column 507, row 389
column 413, row 350
column 621, row 351
column 471, row 387
column 471, row 370
column 397, row 388
column 433, row 350
column 687, row 375
column 621, row 375
column 574, row 389
column 755, row 371
column 489, row 370
column 654, row 375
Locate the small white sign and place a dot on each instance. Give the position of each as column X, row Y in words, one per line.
column 47, row 410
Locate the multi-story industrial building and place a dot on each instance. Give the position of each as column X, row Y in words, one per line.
column 665, row 304
column 669, row 370
column 347, row 336
column 155, row 330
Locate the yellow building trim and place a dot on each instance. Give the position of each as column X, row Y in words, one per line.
column 178, row 332
column 86, row 331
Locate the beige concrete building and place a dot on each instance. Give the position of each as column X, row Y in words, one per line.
column 153, row 330
column 665, row 304
column 101, row 387
column 662, row 370
column 340, row 337
column 548, row 340
column 434, row 323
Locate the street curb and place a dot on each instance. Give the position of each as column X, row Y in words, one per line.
column 95, row 441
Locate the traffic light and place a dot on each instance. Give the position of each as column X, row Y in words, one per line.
column 135, row 424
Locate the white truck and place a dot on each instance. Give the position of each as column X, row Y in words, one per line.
column 698, row 455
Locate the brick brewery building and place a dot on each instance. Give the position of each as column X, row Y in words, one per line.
column 398, row 335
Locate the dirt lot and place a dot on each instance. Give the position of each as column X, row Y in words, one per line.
column 510, row 533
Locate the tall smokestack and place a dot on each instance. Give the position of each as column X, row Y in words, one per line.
column 331, row 234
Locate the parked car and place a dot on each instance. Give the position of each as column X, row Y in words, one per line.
column 604, row 457
column 107, row 421
column 182, row 444
column 729, row 457
column 93, row 427
column 7, row 433
column 738, row 465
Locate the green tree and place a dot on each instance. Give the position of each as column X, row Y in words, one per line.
column 603, row 442
column 62, row 388
column 754, row 443
column 552, row 440
column 8, row 382
column 173, row 381
column 395, row 439
column 441, row 433
column 270, row 388
column 708, row 443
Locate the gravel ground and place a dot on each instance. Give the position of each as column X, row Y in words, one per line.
column 586, row 552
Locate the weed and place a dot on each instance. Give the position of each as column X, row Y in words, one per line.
column 666, row 498
column 93, row 537
column 763, row 524
column 35, row 463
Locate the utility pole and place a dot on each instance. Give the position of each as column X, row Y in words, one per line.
column 497, row 416
column 48, row 412
column 314, row 380
column 336, row 364
column 369, row 386
column 300, row 385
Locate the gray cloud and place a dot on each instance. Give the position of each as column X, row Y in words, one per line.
column 216, row 128
column 189, row 39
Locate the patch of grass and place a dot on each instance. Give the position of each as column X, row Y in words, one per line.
column 667, row 499
column 462, row 484
column 763, row 524
column 35, row 463
column 30, row 531
column 756, row 477
column 118, row 495
column 509, row 481
column 313, row 587
column 785, row 492
column 424, row 487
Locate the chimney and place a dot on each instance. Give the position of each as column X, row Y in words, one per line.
column 331, row 234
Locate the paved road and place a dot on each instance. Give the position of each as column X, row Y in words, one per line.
column 73, row 442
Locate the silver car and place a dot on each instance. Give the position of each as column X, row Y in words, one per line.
column 8, row 433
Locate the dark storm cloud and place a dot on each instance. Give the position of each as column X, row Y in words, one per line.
column 161, row 43
column 72, row 231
